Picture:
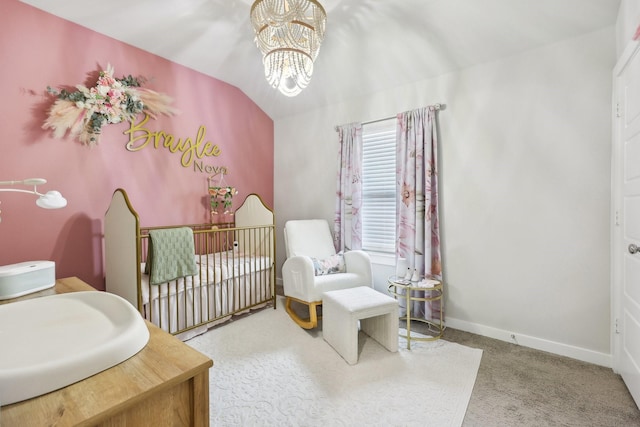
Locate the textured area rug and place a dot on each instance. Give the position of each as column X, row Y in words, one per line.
column 269, row 372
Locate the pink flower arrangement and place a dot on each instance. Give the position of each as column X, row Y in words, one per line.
column 84, row 111
column 222, row 195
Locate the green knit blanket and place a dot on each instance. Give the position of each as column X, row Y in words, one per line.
column 171, row 255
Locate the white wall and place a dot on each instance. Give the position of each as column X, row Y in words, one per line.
column 627, row 23
column 525, row 179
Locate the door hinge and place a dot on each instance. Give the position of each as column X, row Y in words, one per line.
column 617, row 329
column 617, row 218
column 618, row 113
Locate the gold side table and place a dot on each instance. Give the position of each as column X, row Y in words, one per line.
column 410, row 292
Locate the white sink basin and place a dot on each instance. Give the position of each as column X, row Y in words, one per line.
column 50, row 342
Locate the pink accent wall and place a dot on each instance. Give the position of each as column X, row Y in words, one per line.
column 39, row 50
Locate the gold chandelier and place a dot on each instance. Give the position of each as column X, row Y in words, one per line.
column 289, row 34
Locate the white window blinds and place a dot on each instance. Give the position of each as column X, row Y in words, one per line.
column 379, row 186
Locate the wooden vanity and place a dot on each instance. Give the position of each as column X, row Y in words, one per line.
column 165, row 384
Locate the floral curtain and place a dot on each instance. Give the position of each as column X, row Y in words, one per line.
column 347, row 224
column 418, row 229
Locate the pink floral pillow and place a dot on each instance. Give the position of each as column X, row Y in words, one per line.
column 332, row 265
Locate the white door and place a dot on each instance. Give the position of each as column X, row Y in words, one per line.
column 626, row 219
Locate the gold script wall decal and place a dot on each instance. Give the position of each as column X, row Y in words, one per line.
column 141, row 137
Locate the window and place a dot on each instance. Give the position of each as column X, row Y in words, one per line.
column 379, row 186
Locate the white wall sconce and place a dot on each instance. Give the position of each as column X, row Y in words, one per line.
column 50, row 200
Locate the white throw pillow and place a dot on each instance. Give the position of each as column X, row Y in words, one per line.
column 332, row 265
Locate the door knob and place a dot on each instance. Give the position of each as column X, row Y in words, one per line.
column 633, row 249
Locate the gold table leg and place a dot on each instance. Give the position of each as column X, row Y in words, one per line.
column 435, row 294
column 408, row 294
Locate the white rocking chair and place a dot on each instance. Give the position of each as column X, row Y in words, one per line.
column 307, row 241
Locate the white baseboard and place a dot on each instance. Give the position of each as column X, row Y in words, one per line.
column 578, row 353
column 585, row 355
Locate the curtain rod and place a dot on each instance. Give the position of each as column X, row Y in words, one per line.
column 434, row 106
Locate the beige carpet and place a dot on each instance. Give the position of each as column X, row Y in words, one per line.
column 269, row 371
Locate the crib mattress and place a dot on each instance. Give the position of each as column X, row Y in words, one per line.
column 214, row 268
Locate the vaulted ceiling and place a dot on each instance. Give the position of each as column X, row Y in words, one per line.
column 370, row 45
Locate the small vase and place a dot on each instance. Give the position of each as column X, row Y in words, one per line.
column 415, row 277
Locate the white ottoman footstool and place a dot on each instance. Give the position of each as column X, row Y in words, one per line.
column 341, row 311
